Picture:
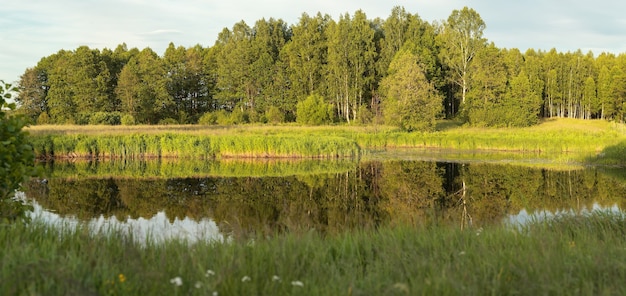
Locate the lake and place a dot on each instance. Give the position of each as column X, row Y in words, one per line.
column 244, row 199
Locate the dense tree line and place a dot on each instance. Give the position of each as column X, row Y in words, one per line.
column 400, row 70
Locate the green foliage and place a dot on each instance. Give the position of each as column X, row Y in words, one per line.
column 108, row 118
column 43, row 118
column 16, row 158
column 411, row 101
column 209, row 118
column 274, row 115
column 273, row 64
column 127, row 119
column 168, row 121
column 314, row 111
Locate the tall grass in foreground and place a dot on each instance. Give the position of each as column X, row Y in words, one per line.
column 569, row 255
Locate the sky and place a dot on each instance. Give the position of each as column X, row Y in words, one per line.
column 33, row 29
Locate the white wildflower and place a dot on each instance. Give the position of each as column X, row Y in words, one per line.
column 177, row 281
column 215, row 293
column 275, row 278
column 246, row 279
column 209, row 273
column 198, row 285
column 461, row 253
column 297, row 283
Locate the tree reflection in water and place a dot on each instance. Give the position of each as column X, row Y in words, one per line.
column 363, row 196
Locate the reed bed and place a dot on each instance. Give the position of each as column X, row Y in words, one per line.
column 583, row 138
column 567, row 255
column 192, row 146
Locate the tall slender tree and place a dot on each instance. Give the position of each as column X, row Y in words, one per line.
column 461, row 38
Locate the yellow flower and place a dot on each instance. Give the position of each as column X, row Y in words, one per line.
column 121, row 277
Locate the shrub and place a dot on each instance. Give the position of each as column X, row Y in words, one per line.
column 168, row 121
column 17, row 158
column 314, row 111
column 43, row 118
column 209, row 118
column 108, row 118
column 128, row 119
column 274, row 115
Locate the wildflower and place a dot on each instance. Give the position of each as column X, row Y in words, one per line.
column 246, row 279
column 177, row 281
column 198, row 285
column 461, row 253
column 215, row 293
column 209, row 273
column 479, row 231
column 121, row 277
column 275, row 278
column 297, row 283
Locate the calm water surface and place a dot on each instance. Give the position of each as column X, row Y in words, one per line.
column 243, row 199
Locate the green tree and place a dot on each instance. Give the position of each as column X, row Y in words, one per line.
column 188, row 84
column 523, row 103
column 590, row 99
column 33, row 91
column 487, row 90
column 142, row 88
column 410, row 100
column 351, row 55
column 306, row 54
column 234, row 60
column 461, row 39
column 17, row 158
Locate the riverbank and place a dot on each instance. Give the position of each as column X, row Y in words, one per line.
column 564, row 256
column 564, row 139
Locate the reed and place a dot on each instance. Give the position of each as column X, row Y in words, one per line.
column 579, row 138
column 562, row 256
column 192, row 146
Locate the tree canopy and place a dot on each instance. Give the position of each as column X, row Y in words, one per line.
column 261, row 73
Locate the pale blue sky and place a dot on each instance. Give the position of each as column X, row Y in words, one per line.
column 32, row 29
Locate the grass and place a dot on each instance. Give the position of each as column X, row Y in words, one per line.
column 560, row 140
column 568, row 255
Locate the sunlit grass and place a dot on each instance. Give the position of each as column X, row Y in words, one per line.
column 563, row 140
column 562, row 256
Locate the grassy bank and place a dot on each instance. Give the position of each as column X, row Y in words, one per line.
column 566, row 256
column 569, row 138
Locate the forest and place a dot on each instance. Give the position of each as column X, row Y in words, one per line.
column 401, row 71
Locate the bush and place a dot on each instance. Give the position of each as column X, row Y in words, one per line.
column 108, row 118
column 128, row 119
column 17, row 159
column 314, row 111
column 209, row 118
column 43, row 118
column 168, row 121
column 274, row 115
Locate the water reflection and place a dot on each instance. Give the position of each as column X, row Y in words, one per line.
column 157, row 228
column 524, row 217
column 327, row 197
